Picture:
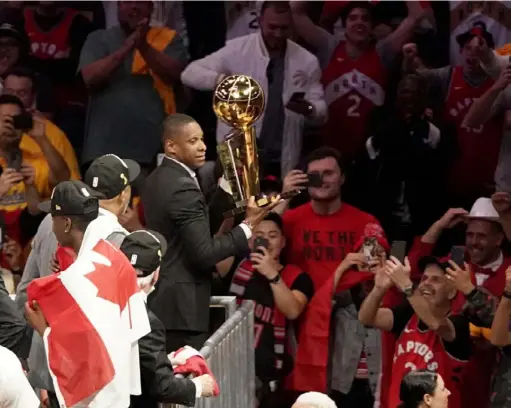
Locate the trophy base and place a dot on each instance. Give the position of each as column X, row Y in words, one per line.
column 262, row 201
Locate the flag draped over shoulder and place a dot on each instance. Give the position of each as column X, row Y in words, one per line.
column 96, row 314
column 313, row 340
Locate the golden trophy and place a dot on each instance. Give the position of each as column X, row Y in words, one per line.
column 238, row 101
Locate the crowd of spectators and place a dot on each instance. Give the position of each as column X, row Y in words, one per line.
column 401, row 108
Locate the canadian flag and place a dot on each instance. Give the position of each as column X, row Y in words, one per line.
column 96, row 315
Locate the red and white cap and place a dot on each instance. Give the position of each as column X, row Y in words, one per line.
column 373, row 230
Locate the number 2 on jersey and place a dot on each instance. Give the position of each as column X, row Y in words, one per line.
column 353, row 109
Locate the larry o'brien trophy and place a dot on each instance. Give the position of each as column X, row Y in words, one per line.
column 238, row 101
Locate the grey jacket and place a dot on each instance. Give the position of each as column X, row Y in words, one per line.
column 351, row 337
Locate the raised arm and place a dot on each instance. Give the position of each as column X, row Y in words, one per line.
column 400, row 275
column 205, row 73
column 370, row 313
column 401, row 35
column 312, row 34
column 490, row 103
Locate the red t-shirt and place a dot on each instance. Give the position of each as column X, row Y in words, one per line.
column 472, row 169
column 318, row 243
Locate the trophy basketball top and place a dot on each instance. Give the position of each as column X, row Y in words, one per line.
column 238, row 101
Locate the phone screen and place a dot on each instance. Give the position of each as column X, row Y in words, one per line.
column 399, row 250
column 298, row 95
column 260, row 242
column 458, row 255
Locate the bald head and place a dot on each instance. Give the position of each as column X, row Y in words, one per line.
column 183, row 140
column 314, row 400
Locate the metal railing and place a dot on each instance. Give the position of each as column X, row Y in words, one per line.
column 229, row 353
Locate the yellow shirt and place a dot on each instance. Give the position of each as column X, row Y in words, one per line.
column 14, row 201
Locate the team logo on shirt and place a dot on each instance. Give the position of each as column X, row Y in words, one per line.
column 419, row 349
column 355, row 80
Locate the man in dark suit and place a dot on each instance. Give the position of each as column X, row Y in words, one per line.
column 175, row 206
column 145, row 250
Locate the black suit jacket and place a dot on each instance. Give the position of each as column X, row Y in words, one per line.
column 158, row 381
column 175, row 207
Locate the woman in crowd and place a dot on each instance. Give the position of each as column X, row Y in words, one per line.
column 423, row 389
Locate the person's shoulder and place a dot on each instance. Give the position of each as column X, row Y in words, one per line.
column 298, row 213
column 353, row 211
column 305, row 55
column 9, row 359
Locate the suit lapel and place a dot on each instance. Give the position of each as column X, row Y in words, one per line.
column 182, row 171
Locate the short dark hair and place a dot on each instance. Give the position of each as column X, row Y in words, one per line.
column 352, row 5
column 275, row 218
column 6, row 99
column 415, row 385
column 324, row 152
column 279, row 6
column 24, row 72
column 81, row 222
column 173, row 124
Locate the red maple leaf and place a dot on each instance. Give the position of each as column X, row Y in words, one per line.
column 116, row 283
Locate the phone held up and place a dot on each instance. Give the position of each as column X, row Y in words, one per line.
column 458, row 255
column 398, row 250
column 23, row 121
column 315, row 179
column 260, row 242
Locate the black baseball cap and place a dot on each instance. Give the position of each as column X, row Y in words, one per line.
column 110, row 175
column 426, row 261
column 144, row 249
column 72, row 198
column 9, row 30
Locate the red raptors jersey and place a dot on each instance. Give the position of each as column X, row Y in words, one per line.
column 472, row 170
column 52, row 44
column 353, row 87
column 419, row 350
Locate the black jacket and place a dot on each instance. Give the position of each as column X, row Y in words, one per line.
column 175, row 207
column 158, row 381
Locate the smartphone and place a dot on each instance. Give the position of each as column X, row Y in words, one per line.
column 398, row 250
column 260, row 242
column 458, row 255
column 15, row 159
column 23, row 121
column 297, row 96
column 315, row 179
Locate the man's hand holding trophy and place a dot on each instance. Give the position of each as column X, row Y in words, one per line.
column 238, row 101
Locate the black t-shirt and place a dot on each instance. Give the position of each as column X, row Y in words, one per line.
column 259, row 290
column 459, row 348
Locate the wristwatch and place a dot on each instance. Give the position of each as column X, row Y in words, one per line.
column 408, row 291
column 274, row 280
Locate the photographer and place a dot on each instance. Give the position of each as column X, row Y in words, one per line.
column 280, row 292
